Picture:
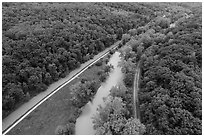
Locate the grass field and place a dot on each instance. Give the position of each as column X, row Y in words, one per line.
column 53, row 112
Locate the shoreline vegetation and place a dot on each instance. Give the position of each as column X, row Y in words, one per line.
column 68, row 113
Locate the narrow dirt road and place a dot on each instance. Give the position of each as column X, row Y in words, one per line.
column 19, row 114
column 135, row 91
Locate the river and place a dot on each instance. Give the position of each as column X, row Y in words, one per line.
column 84, row 125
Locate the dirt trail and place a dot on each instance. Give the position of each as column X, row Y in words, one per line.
column 135, row 92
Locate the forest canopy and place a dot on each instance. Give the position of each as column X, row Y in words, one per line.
column 43, row 42
column 170, row 58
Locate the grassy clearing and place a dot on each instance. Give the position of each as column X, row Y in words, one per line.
column 55, row 111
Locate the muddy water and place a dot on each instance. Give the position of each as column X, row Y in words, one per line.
column 84, row 125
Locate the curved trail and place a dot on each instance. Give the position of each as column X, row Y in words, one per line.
column 19, row 114
column 135, row 92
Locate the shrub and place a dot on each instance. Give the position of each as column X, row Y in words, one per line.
column 163, row 22
column 60, row 130
column 67, row 129
column 120, row 45
column 106, row 60
column 129, row 79
column 99, row 63
column 82, row 93
column 106, row 69
column 103, row 77
column 83, row 80
column 108, row 56
column 63, row 75
column 133, row 32
column 100, row 72
column 112, row 52
column 27, row 96
column 8, row 102
column 125, row 38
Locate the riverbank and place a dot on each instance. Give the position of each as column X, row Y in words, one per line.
column 25, row 128
column 53, row 112
column 84, row 125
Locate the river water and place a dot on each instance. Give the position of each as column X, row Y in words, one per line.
column 84, row 125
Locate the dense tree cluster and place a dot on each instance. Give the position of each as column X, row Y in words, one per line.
column 170, row 93
column 67, row 129
column 128, row 64
column 83, row 92
column 115, row 117
column 43, row 42
column 104, row 72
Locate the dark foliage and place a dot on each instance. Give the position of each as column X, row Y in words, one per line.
column 171, row 91
column 170, row 95
column 129, row 79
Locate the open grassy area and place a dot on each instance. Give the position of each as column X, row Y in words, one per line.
column 55, row 111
